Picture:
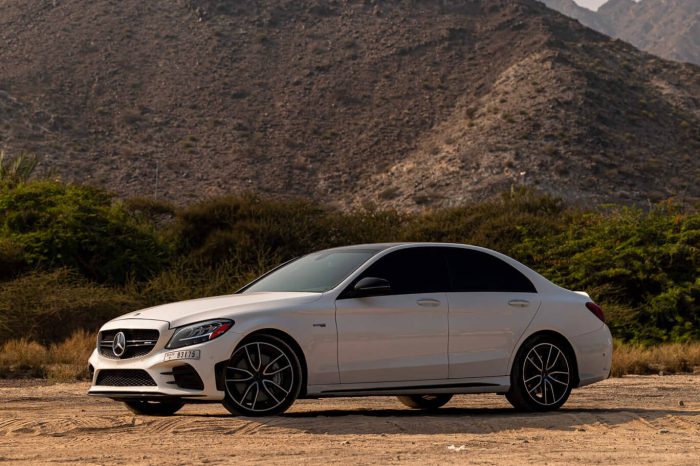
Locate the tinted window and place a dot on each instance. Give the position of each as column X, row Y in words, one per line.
column 413, row 270
column 317, row 272
column 472, row 270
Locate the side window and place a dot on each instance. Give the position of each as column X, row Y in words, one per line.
column 472, row 270
column 412, row 270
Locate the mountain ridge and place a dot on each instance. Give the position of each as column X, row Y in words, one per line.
column 667, row 28
column 400, row 103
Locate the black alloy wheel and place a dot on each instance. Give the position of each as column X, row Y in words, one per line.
column 542, row 376
column 262, row 378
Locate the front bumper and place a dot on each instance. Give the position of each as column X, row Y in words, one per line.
column 162, row 372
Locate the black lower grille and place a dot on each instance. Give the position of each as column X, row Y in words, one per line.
column 186, row 377
column 124, row 378
column 139, row 342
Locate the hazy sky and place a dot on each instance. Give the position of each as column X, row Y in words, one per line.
column 592, row 4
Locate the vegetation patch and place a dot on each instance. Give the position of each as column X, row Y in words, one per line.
column 73, row 257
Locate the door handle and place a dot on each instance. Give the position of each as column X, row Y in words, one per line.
column 519, row 303
column 428, row 302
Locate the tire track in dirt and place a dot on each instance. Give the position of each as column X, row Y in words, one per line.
column 608, row 422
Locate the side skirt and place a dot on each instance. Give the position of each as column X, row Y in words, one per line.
column 426, row 387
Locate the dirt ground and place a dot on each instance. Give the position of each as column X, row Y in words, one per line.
column 633, row 420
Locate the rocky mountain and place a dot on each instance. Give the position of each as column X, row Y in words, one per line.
column 667, row 28
column 404, row 103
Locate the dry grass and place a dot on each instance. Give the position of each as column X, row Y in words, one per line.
column 671, row 358
column 22, row 358
column 67, row 360
column 64, row 361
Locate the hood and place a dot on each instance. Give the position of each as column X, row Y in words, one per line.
column 184, row 312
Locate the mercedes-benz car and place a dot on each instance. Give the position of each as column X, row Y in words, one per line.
column 420, row 321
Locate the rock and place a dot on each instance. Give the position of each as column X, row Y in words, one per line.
column 663, row 431
column 681, row 403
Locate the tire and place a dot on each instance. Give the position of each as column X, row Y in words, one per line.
column 426, row 402
column 154, row 408
column 262, row 378
column 542, row 376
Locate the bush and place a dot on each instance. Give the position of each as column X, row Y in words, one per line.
column 187, row 280
column 245, row 227
column 644, row 265
column 49, row 306
column 500, row 224
column 252, row 230
column 79, row 227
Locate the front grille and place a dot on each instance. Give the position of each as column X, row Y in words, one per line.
column 139, row 342
column 124, row 378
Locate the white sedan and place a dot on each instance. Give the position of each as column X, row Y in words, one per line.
column 421, row 321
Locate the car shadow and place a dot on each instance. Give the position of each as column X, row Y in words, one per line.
column 458, row 420
column 470, row 420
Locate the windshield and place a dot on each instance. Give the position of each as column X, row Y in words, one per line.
column 315, row 273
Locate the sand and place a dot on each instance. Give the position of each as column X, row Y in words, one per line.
column 632, row 420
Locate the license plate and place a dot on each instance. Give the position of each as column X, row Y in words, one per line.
column 186, row 354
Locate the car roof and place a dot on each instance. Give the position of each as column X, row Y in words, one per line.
column 383, row 246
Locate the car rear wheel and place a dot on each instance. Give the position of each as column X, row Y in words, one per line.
column 542, row 376
column 154, row 408
column 262, row 378
column 427, row 402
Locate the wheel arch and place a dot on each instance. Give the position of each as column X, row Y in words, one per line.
column 288, row 339
column 559, row 338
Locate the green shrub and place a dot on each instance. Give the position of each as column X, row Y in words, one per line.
column 500, row 224
column 187, row 280
column 249, row 229
column 642, row 266
column 645, row 265
column 79, row 227
column 50, row 306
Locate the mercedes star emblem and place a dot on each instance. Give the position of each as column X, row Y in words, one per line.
column 119, row 344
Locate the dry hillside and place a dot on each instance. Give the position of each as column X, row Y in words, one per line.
column 401, row 102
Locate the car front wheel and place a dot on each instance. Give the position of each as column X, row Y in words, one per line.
column 262, row 378
column 542, row 376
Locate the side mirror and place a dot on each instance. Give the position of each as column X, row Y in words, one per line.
column 372, row 285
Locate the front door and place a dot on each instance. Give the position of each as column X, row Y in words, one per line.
column 400, row 335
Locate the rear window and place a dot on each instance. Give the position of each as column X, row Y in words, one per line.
column 472, row 270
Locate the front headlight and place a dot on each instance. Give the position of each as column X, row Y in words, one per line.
column 199, row 333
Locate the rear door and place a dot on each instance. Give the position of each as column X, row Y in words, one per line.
column 491, row 304
column 402, row 334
